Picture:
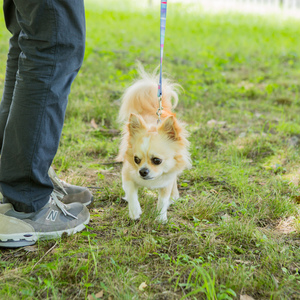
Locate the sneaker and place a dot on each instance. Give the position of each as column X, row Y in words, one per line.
column 65, row 192
column 18, row 229
column 68, row 193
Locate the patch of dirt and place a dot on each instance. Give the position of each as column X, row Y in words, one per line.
column 286, row 226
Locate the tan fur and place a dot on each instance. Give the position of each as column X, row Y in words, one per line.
column 166, row 141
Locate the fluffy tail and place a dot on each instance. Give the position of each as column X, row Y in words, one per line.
column 141, row 97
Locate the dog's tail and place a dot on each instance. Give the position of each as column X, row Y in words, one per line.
column 141, row 97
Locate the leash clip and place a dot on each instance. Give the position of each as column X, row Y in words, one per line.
column 159, row 110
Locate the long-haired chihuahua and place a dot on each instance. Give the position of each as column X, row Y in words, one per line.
column 153, row 153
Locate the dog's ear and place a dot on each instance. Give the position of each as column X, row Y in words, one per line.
column 170, row 127
column 135, row 124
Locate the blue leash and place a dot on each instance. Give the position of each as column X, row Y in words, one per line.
column 163, row 17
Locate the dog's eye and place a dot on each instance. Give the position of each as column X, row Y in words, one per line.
column 156, row 161
column 137, row 160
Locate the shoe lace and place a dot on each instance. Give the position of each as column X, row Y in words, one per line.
column 57, row 181
column 59, row 204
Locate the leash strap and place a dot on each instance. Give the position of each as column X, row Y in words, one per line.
column 163, row 16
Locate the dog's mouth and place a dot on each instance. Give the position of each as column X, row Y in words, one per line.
column 151, row 177
column 147, row 178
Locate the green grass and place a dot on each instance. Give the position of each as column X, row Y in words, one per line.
column 235, row 229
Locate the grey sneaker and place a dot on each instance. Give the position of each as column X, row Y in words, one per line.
column 68, row 193
column 18, row 229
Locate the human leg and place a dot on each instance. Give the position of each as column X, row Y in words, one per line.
column 69, row 192
column 51, row 40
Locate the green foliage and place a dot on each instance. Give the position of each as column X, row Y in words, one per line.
column 235, row 229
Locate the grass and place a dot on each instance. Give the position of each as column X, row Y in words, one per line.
column 235, row 229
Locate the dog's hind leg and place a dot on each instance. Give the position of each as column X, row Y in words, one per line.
column 174, row 192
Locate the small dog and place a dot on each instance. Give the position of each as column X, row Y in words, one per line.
column 153, row 153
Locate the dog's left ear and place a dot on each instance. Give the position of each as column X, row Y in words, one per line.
column 170, row 127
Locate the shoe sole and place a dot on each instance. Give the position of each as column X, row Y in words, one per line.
column 30, row 238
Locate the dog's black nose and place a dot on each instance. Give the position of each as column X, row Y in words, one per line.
column 144, row 172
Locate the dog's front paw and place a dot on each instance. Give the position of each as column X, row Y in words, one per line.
column 135, row 212
column 162, row 218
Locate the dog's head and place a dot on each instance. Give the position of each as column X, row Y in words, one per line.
column 156, row 150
